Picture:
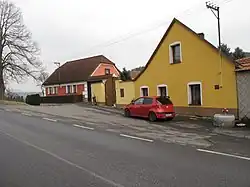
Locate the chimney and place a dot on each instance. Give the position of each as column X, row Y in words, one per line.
column 201, row 35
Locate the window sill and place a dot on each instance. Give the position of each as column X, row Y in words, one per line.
column 178, row 62
column 194, row 105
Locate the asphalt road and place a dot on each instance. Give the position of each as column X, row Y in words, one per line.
column 36, row 152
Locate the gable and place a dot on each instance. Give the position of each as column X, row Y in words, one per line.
column 178, row 32
column 100, row 70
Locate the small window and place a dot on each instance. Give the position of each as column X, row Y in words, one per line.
column 107, row 71
column 122, row 92
column 162, row 91
column 148, row 101
column 176, row 50
column 144, row 91
column 68, row 89
column 50, row 90
column 55, row 90
column 139, row 101
column 74, row 88
column 195, row 94
column 175, row 53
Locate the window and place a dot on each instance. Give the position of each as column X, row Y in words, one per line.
column 162, row 90
column 122, row 92
column 107, row 71
column 144, row 91
column 164, row 100
column 148, row 101
column 139, row 101
column 55, row 91
column 50, row 90
column 175, row 53
column 68, row 89
column 195, row 93
column 74, row 88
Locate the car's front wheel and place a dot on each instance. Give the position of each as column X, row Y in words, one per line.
column 127, row 113
column 152, row 117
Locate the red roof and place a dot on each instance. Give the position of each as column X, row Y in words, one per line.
column 243, row 64
column 76, row 71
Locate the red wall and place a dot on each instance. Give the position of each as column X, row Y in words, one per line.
column 101, row 70
column 62, row 90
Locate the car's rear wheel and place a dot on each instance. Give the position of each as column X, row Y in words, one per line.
column 152, row 117
column 127, row 113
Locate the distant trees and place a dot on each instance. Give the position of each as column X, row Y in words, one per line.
column 238, row 53
column 125, row 74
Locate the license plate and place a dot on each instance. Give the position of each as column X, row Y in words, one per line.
column 168, row 115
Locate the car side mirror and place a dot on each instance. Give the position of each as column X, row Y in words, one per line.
column 132, row 102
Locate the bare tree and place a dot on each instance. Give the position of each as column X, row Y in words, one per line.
column 42, row 78
column 17, row 50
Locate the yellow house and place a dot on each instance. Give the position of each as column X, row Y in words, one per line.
column 189, row 69
column 98, row 91
column 125, row 92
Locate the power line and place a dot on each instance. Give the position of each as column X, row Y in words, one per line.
column 132, row 35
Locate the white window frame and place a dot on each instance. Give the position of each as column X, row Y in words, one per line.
column 162, row 85
column 50, row 91
column 72, row 88
column 171, row 58
column 55, row 90
column 68, row 91
column 189, row 91
column 141, row 93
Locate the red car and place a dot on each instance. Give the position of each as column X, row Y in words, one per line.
column 152, row 108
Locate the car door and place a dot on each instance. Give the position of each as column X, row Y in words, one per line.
column 135, row 109
column 146, row 106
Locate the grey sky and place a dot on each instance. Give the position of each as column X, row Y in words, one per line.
column 67, row 30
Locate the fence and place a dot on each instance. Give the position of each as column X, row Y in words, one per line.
column 62, row 99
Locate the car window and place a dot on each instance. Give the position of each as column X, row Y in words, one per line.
column 148, row 101
column 139, row 101
column 164, row 100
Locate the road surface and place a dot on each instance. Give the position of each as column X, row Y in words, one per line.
column 44, row 152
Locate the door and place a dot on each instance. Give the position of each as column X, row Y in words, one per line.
column 135, row 109
column 146, row 106
column 110, row 95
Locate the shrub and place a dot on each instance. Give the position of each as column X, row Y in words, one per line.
column 33, row 99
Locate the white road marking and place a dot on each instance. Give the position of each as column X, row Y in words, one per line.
column 48, row 119
column 224, row 154
column 83, row 127
column 110, row 182
column 26, row 114
column 8, row 110
column 137, row 138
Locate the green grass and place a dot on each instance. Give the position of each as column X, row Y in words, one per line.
column 6, row 102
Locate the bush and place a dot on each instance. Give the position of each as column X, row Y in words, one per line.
column 33, row 99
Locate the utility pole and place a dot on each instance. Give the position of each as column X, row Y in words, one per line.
column 216, row 8
column 216, row 11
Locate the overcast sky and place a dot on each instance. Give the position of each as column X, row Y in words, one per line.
column 125, row 31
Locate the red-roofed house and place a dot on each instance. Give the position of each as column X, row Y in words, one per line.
column 243, row 84
column 75, row 77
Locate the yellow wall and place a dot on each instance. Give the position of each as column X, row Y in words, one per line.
column 200, row 62
column 129, row 92
column 98, row 90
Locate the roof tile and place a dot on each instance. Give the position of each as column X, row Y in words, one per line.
column 243, row 64
column 76, row 71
